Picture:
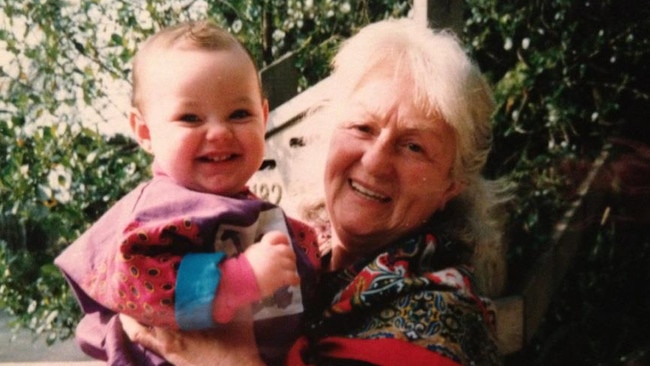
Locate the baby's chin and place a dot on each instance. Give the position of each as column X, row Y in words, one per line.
column 220, row 189
column 217, row 187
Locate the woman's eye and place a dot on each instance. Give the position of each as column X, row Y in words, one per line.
column 363, row 128
column 189, row 118
column 414, row 147
column 240, row 114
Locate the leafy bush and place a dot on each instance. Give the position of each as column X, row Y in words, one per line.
column 568, row 76
column 33, row 292
column 65, row 70
column 571, row 77
column 55, row 181
column 601, row 313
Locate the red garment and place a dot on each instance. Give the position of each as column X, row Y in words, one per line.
column 380, row 352
column 412, row 302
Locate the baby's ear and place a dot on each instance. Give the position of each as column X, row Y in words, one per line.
column 140, row 129
column 265, row 111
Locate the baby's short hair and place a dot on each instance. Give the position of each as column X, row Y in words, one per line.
column 202, row 35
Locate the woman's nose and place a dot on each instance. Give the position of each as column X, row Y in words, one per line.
column 378, row 157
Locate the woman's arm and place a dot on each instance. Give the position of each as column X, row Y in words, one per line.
column 233, row 344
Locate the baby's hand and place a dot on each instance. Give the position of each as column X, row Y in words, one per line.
column 273, row 262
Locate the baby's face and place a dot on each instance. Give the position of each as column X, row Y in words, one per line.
column 203, row 118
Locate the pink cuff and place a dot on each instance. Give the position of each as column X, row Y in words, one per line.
column 238, row 287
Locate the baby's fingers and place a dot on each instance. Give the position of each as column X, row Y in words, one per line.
column 275, row 237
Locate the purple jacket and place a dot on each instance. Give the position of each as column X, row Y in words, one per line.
column 107, row 267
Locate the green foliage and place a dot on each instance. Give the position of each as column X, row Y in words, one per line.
column 34, row 292
column 601, row 313
column 312, row 29
column 567, row 76
column 54, row 181
column 65, row 69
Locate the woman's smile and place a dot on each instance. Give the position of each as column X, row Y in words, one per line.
column 367, row 193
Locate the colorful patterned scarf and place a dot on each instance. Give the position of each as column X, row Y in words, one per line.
column 411, row 293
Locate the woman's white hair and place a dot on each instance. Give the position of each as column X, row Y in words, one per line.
column 444, row 84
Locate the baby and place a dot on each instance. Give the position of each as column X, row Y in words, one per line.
column 178, row 250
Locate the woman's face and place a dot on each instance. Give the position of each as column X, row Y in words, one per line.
column 388, row 168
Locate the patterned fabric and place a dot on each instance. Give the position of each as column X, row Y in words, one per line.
column 136, row 272
column 409, row 293
column 128, row 261
column 140, row 282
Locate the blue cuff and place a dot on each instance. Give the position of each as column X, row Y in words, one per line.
column 196, row 286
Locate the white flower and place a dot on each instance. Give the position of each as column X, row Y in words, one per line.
column 59, row 180
column 236, row 26
column 278, row 35
column 507, row 45
column 345, row 8
column 32, row 307
column 200, row 7
column 525, row 43
column 594, row 116
column 144, row 19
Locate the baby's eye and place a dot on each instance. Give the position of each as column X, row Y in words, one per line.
column 240, row 114
column 189, row 118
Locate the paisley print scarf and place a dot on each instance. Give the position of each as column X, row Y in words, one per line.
column 411, row 297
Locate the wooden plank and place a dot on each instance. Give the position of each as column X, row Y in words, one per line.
column 290, row 111
column 510, row 323
column 548, row 272
column 537, row 293
column 280, row 80
column 447, row 14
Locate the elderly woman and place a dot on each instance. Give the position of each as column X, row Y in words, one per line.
column 408, row 214
column 407, row 207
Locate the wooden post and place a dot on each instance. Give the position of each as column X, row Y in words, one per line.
column 280, row 80
column 438, row 14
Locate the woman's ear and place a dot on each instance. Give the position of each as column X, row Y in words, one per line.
column 140, row 129
column 454, row 189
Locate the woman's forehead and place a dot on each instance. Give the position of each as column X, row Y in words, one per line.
column 386, row 99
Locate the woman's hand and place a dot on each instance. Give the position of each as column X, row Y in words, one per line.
column 230, row 344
